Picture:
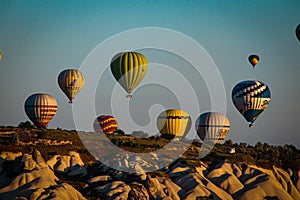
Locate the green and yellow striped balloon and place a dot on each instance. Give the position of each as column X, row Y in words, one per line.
column 129, row 69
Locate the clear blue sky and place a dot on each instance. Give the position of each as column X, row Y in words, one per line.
column 41, row 38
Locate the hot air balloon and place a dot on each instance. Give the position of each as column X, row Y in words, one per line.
column 0, row 55
column 253, row 59
column 298, row 32
column 212, row 126
column 251, row 98
column 40, row 108
column 71, row 81
column 172, row 122
column 105, row 123
column 129, row 69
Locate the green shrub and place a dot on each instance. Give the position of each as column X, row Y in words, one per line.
column 26, row 124
column 15, row 139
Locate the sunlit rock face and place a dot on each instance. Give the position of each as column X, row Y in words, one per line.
column 29, row 176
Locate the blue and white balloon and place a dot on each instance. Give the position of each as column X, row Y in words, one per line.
column 251, row 98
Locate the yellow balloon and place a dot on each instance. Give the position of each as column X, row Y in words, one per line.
column 71, row 81
column 174, row 122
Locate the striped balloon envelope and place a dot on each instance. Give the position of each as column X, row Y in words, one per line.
column 105, row 123
column 129, row 69
column 174, row 122
column 251, row 98
column 71, row 81
column 212, row 126
column 40, row 108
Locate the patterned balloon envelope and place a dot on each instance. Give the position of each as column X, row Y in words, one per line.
column 212, row 126
column 129, row 69
column 71, row 81
column 174, row 122
column 105, row 123
column 253, row 59
column 40, row 108
column 251, row 98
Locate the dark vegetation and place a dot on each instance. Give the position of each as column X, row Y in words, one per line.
column 263, row 155
column 23, row 140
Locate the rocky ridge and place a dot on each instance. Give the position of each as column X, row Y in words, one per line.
column 29, row 176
